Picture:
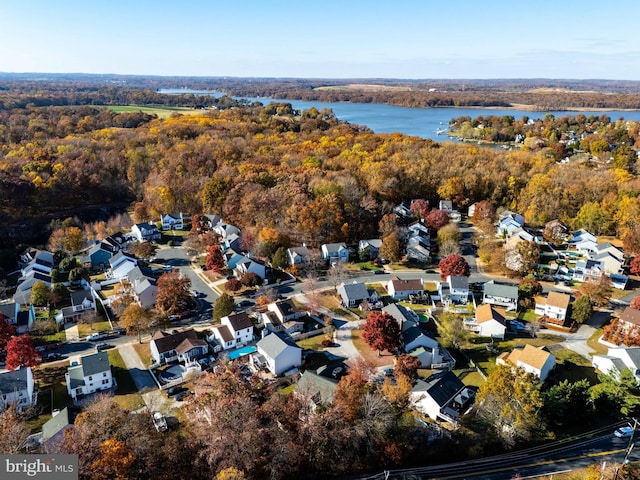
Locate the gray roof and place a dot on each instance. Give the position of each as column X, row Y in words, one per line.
column 334, row 247
column 8, row 310
column 634, row 355
column 354, row 291
column 79, row 296
column 274, row 344
column 441, row 387
column 14, row 380
column 95, row 363
column 459, row 282
column 399, row 312
column 59, row 422
column 324, row 388
column 413, row 333
column 500, row 290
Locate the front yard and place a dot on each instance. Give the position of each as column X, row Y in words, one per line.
column 127, row 394
column 370, row 356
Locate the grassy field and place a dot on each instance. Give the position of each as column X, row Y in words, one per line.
column 311, row 343
column 161, row 111
column 144, row 352
column 127, row 394
column 85, row 329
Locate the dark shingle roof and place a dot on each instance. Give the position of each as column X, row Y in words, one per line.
column 441, row 387
column 170, row 342
column 14, row 380
column 240, row 321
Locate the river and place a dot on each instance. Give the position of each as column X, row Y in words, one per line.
column 419, row 122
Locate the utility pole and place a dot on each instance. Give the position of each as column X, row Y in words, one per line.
column 629, row 448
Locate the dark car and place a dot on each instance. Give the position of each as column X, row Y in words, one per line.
column 182, row 395
column 50, row 357
column 119, row 331
column 175, row 391
column 103, row 346
column 378, row 272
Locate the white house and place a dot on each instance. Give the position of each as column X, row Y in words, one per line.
column 353, row 294
column 172, row 221
column 531, row 359
column 17, row 388
column 92, row 375
column 509, row 222
column 279, row 353
column 401, row 289
column 554, row 307
column 145, row 232
column 82, row 300
column 581, row 236
column 370, row 248
column 455, row 290
column 182, row 346
column 236, row 330
column 335, row 252
column 500, row 294
column 248, row 264
column 298, row 255
column 610, row 263
column 442, row 397
column 588, row 270
column 618, row 359
column 488, row 322
column 423, row 347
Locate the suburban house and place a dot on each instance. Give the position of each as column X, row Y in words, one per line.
column 285, row 310
column 500, row 294
column 403, row 315
column 403, row 211
column 82, row 300
column 446, row 205
column 369, row 249
column 610, row 262
column 92, row 375
column 226, row 231
column 608, row 247
column 121, row 264
column 487, row 323
column 143, row 288
column 418, row 247
column 353, row 294
column 335, row 252
column 619, row 281
column 17, row 388
column 454, row 291
column 172, row 221
column 68, row 314
column 554, row 308
column 9, row 311
column 630, row 318
column 41, row 261
column 316, row 388
column 509, row 222
column 250, row 264
column 232, row 258
column 581, row 235
column 98, row 255
column 298, row 255
column 34, row 255
column 557, row 229
column 618, row 359
column 425, row 348
column 14, row 314
column 236, row 330
column 586, row 270
column 442, row 397
column 278, row 353
column 402, row 289
column 182, row 346
column 146, row 232
column 531, row 359
column 53, row 430
column 26, row 282
column 471, row 210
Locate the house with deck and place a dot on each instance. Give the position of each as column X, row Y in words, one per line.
column 554, row 307
column 401, row 289
column 181, row 346
column 146, row 232
column 278, row 353
column 488, row 322
column 442, row 397
column 500, row 295
column 335, row 252
column 353, row 294
column 235, row 330
column 172, row 221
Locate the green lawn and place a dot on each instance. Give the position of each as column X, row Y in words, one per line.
column 311, row 343
column 127, row 394
column 595, row 345
column 85, row 329
column 160, row 110
column 470, row 379
column 527, row 316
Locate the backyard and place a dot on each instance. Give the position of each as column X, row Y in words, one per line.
column 127, row 394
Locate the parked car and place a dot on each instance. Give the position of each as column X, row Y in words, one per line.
column 624, row 432
column 378, row 272
column 175, row 391
column 50, row 357
column 182, row 395
column 119, row 331
column 97, row 336
column 103, row 346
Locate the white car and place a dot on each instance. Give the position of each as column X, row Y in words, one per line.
column 623, row 432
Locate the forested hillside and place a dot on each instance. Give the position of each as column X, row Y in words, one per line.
column 309, row 176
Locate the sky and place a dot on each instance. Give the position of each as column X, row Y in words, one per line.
column 413, row 39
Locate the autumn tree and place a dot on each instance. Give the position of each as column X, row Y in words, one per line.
column 135, row 319
column 40, row 293
column 407, row 365
column 69, row 240
column 381, row 332
column 420, row 208
column 224, row 306
column 214, row 260
column 140, row 212
column 22, row 353
column 115, row 461
column 484, row 211
column 634, row 266
column 598, row 291
column 145, row 250
column 635, row 303
column 437, row 219
column 390, row 248
column 7, row 331
column 230, row 473
column 454, row 265
column 174, row 295
column 528, row 255
column 631, row 241
column 388, row 224
column 510, row 401
column 555, row 232
column 581, row 309
column 14, row 431
column 528, row 289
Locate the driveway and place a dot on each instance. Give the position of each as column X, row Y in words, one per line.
column 153, row 398
column 578, row 341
